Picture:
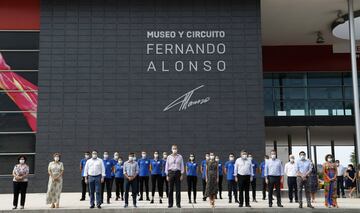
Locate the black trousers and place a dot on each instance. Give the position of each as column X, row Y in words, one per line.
column 220, row 184
column 144, row 180
column 340, row 186
column 292, row 184
column 19, row 188
column 174, row 179
column 133, row 184
column 108, row 183
column 264, row 188
column 164, row 181
column 191, row 184
column 232, row 189
column 156, row 180
column 84, row 187
column 253, row 188
column 274, row 181
column 203, row 186
column 244, row 185
column 119, row 187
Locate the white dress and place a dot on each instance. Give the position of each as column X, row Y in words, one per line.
column 54, row 187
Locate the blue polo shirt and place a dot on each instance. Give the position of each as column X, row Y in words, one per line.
column 203, row 171
column 82, row 163
column 220, row 168
column 262, row 167
column 144, row 167
column 156, row 167
column 163, row 162
column 119, row 170
column 108, row 163
column 254, row 167
column 230, row 166
column 191, row 168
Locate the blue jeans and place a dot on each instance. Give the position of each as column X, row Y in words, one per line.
column 95, row 187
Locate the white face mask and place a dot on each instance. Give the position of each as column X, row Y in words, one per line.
column 243, row 156
column 231, row 158
column 250, row 158
column 156, row 156
column 56, row 158
column 207, row 157
column 120, row 161
column 302, row 157
column 191, row 158
column 292, row 160
column 94, row 156
column 131, row 158
column 329, row 159
column 164, row 156
column 217, row 159
column 106, row 156
column 273, row 156
column 143, row 155
column 87, row 156
column 174, row 151
column 212, row 157
column 134, row 158
column 116, row 157
column 22, row 161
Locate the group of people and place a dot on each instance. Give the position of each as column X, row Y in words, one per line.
column 169, row 171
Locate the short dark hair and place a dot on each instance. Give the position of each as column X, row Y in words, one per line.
column 337, row 161
column 273, row 150
column 22, row 156
column 243, row 151
column 302, row 152
column 87, row 152
column 352, row 166
column 232, row 154
column 328, row 155
column 131, row 153
column 266, row 156
column 95, row 151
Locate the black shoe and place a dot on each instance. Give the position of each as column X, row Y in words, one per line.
column 240, row 205
column 99, row 206
column 236, row 201
column 291, row 201
column 91, row 207
column 152, row 201
column 204, row 198
column 82, row 199
column 310, row 206
column 230, row 201
column 148, row 199
column 248, row 205
column 264, row 198
column 108, row 201
column 220, row 197
column 279, row 205
column 296, row 201
column 15, row 207
column 122, row 199
column 117, row 198
column 135, row 206
column 126, row 205
column 194, row 201
column 270, row 205
column 254, row 200
column 178, row 206
column 160, row 200
column 170, row 206
column 300, row 205
column 140, row 199
column 189, row 201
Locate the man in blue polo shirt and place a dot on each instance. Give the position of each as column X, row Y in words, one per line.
column 262, row 169
column 109, row 168
column 144, row 171
column 156, row 169
column 253, row 182
column 84, row 186
column 229, row 171
column 203, row 174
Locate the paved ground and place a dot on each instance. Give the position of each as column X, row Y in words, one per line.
column 70, row 203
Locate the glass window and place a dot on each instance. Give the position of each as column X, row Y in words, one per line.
column 13, row 122
column 345, row 154
column 294, row 93
column 319, row 108
column 268, row 79
column 325, row 93
column 292, row 108
column 17, row 143
column 289, row 79
column 7, row 163
column 269, row 107
column 324, row 79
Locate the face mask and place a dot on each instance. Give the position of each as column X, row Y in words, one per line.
column 302, row 157
column 243, row 156
column 116, row 157
column 21, row 161
column 329, row 159
column 212, row 157
column 217, row 159
column 231, row 158
column 156, row 155
column 94, row 156
column 131, row 158
column 292, row 160
column 56, row 159
column 174, row 151
column 191, row 158
column 87, row 156
column 207, row 157
column 273, row 156
column 250, row 158
column 120, row 161
column 143, row 156
column 134, row 158
column 164, row 156
column 106, row 156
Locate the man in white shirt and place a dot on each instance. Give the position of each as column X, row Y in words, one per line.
column 94, row 173
column 243, row 173
column 340, row 179
column 290, row 172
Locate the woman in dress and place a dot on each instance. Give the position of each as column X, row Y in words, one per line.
column 330, row 171
column 56, row 171
column 20, row 181
column 313, row 182
column 350, row 179
column 212, row 179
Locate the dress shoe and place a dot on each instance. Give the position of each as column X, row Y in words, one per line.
column 91, row 207
column 280, row 205
column 194, row 201
column 248, row 205
column 152, row 201
column 126, row 205
column 310, row 206
column 99, row 206
column 240, row 205
column 140, row 199
column 178, row 206
column 270, row 205
column 170, row 206
column 82, row 199
column 300, row 205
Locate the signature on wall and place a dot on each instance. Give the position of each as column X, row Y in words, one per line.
column 185, row 101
